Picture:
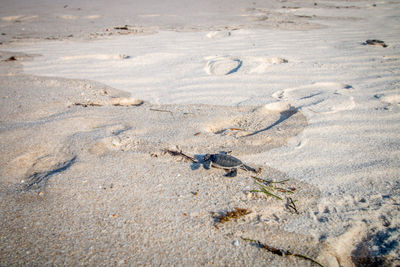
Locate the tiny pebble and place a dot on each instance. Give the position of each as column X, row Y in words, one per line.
column 236, row 243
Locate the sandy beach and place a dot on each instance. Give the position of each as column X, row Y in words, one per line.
column 107, row 111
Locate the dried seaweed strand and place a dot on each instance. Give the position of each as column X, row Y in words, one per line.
column 122, row 27
column 231, row 215
column 180, row 153
column 161, row 110
column 90, row 104
column 268, row 182
column 263, row 189
column 284, row 190
column 281, row 252
column 235, row 129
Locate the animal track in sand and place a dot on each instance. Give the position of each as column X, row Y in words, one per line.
column 262, row 64
column 322, row 97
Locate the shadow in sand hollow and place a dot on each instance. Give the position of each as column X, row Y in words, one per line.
column 40, row 179
column 237, row 68
column 284, row 116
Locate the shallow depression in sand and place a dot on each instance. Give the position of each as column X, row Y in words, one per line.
column 319, row 97
column 223, row 65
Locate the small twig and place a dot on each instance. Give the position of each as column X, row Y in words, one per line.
column 260, row 180
column 180, row 153
column 235, row 129
column 160, row 110
column 122, row 28
column 290, row 205
column 280, row 252
column 280, row 182
column 283, row 190
column 12, row 58
column 85, row 105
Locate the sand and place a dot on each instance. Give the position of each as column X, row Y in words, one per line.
column 91, row 97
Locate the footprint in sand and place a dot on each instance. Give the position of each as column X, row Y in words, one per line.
column 222, row 65
column 258, row 130
column 323, row 97
column 36, row 168
column 389, row 99
column 263, row 64
column 116, row 140
column 20, row 165
column 226, row 65
column 39, row 179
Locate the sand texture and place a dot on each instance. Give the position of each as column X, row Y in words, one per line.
column 107, row 111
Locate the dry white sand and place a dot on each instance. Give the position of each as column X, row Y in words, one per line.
column 288, row 87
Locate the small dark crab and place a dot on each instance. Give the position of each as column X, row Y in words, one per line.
column 227, row 162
